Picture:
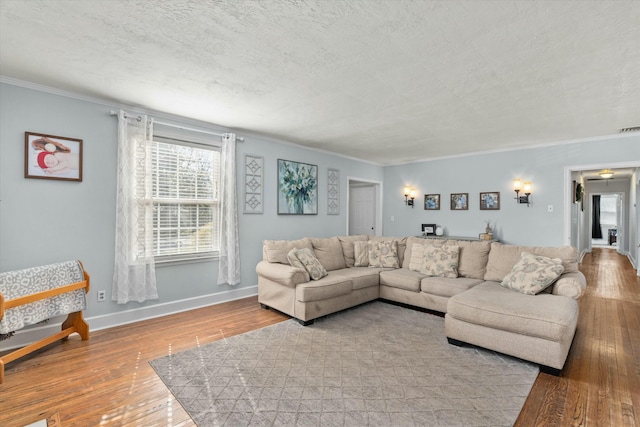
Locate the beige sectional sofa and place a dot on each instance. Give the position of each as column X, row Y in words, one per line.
column 478, row 309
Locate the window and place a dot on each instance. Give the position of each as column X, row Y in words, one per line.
column 608, row 211
column 185, row 195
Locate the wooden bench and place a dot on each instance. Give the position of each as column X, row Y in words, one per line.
column 52, row 290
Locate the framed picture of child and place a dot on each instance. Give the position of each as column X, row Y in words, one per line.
column 52, row 157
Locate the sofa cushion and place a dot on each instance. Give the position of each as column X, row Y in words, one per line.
column 362, row 277
column 348, row 249
column 533, row 273
column 441, row 260
column 502, row 258
column 295, row 262
column 489, row 304
column 408, row 252
column 361, row 254
column 310, row 263
column 402, row 278
column 400, row 241
column 329, row 252
column 330, row 286
column 383, row 253
column 447, row 287
column 473, row 258
column 277, row 250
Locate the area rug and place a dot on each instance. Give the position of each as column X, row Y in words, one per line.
column 374, row 365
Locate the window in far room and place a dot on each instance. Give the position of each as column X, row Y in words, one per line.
column 185, row 192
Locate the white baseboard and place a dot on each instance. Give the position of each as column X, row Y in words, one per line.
column 632, row 261
column 30, row 335
column 582, row 254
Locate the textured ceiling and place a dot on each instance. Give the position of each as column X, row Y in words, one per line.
column 388, row 81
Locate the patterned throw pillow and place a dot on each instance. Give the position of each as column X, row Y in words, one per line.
column 383, row 253
column 295, row 262
column 533, row 273
column 441, row 261
column 361, row 253
column 310, row 263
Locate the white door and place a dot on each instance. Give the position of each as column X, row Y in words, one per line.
column 362, row 210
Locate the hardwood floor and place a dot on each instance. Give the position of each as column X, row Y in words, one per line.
column 107, row 381
column 600, row 384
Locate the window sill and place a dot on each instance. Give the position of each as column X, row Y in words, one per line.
column 187, row 259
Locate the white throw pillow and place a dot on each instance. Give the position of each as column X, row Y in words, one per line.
column 533, row 273
column 441, row 260
column 417, row 257
column 361, row 253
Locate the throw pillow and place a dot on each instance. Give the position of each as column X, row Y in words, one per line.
column 361, row 253
column 533, row 273
column 295, row 262
column 417, row 257
column 441, row 261
column 310, row 263
column 383, row 253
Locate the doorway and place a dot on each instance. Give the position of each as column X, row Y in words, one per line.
column 364, row 207
column 577, row 211
column 606, row 219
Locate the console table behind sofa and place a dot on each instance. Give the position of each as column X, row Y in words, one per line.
column 36, row 294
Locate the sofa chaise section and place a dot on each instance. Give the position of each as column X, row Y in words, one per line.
column 538, row 328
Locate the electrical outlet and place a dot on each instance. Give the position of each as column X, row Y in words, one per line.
column 102, row 296
column 549, row 208
column 393, row 218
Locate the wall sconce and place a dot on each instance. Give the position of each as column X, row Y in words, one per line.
column 526, row 188
column 409, row 196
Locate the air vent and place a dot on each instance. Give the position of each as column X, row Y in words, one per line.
column 633, row 129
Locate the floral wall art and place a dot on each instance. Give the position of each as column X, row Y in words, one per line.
column 297, row 188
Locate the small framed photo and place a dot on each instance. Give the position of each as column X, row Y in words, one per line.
column 490, row 201
column 429, row 229
column 431, row 202
column 459, row 201
column 52, row 157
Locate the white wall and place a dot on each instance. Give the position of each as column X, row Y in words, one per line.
column 634, row 222
column 46, row 221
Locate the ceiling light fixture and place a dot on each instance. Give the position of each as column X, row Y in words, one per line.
column 606, row 174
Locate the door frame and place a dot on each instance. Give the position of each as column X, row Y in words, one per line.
column 568, row 190
column 378, row 202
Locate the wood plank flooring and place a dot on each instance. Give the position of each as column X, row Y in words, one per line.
column 600, row 384
column 107, row 380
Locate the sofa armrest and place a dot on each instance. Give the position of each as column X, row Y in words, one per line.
column 570, row 285
column 285, row 275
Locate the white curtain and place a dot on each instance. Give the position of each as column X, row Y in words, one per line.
column 229, row 265
column 134, row 275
